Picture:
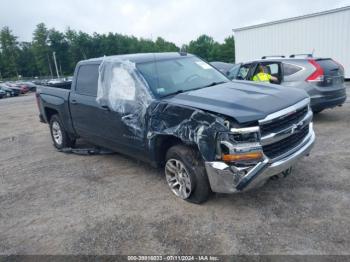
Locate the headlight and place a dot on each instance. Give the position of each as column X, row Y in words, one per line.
column 240, row 145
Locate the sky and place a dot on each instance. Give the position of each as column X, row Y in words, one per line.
column 179, row 21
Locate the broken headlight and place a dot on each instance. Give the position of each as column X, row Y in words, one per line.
column 240, row 145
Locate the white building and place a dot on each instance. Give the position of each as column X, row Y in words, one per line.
column 325, row 34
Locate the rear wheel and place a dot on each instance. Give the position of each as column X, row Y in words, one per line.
column 186, row 175
column 59, row 136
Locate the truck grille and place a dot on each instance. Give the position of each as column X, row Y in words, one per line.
column 280, row 147
column 284, row 121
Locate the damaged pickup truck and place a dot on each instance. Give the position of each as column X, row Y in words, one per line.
column 176, row 111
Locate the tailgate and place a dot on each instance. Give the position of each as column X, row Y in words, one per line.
column 333, row 72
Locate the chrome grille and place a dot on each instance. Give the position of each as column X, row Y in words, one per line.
column 280, row 147
column 284, row 130
column 283, row 121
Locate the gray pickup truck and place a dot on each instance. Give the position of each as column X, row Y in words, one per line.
column 176, row 111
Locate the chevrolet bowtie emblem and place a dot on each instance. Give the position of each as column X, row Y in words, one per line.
column 296, row 127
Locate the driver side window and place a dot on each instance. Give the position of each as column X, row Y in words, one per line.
column 243, row 72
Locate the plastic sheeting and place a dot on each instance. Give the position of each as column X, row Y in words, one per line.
column 124, row 90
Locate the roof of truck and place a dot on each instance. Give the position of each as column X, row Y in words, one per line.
column 141, row 57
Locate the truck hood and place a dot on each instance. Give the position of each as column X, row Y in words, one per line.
column 244, row 101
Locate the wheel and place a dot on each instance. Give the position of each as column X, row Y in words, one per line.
column 186, row 175
column 59, row 136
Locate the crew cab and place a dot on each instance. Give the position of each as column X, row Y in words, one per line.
column 179, row 113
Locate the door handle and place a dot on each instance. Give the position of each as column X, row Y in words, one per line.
column 73, row 101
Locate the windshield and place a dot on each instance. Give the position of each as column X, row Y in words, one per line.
column 232, row 73
column 179, row 75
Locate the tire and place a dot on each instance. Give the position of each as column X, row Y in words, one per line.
column 59, row 135
column 192, row 177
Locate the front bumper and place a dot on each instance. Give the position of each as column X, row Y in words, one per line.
column 227, row 179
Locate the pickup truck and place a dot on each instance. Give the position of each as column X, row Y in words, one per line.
column 179, row 113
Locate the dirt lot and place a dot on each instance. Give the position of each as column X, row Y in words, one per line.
column 54, row 203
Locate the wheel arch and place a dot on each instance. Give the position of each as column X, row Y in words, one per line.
column 162, row 143
column 49, row 112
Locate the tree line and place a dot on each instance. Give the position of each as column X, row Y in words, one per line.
column 35, row 58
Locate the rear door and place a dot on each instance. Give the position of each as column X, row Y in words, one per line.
column 83, row 106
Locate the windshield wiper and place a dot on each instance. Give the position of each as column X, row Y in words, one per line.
column 175, row 93
column 182, row 90
column 214, row 84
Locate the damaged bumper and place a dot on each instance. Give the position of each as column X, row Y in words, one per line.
column 226, row 178
column 230, row 178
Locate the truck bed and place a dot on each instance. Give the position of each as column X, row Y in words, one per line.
column 53, row 100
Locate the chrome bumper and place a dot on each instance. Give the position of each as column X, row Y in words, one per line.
column 227, row 179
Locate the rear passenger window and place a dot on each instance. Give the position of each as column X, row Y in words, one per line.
column 87, row 80
column 289, row 69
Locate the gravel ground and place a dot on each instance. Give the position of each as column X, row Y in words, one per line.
column 54, row 203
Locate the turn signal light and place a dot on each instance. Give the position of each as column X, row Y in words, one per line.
column 240, row 157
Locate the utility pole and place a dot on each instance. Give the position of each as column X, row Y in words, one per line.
column 54, row 59
column 61, row 70
column 48, row 60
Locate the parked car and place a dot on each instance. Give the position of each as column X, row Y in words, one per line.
column 23, row 88
column 8, row 91
column 2, row 93
column 228, row 69
column 15, row 91
column 321, row 78
column 30, row 86
column 177, row 112
column 62, row 83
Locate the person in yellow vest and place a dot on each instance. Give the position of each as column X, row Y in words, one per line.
column 261, row 76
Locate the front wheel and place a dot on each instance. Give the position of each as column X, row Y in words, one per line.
column 186, row 175
column 59, row 136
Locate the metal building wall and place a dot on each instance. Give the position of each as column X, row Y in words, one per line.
column 327, row 33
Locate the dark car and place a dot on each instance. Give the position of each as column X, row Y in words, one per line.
column 10, row 90
column 29, row 85
column 23, row 88
column 2, row 93
column 321, row 78
column 176, row 111
column 7, row 90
